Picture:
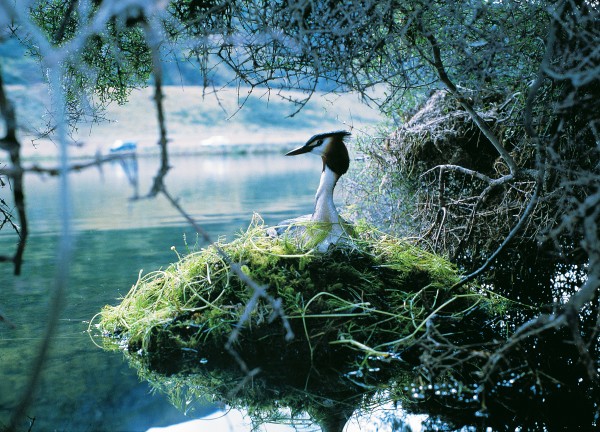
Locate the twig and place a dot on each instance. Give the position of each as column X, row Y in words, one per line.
column 11, row 144
column 589, row 212
column 540, row 163
column 441, row 71
column 56, row 171
column 258, row 291
column 462, row 170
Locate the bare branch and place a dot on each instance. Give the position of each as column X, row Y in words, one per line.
column 540, row 161
column 11, row 144
column 511, row 235
column 466, row 171
column 56, row 171
column 258, row 291
column 439, row 66
column 64, row 251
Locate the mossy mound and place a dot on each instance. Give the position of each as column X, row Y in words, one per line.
column 375, row 294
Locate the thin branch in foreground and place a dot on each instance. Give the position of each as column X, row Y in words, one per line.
column 60, row 283
column 513, row 232
column 588, row 213
column 98, row 161
column 258, row 291
column 17, row 172
column 11, row 144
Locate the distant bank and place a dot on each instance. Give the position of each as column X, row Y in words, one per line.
column 230, row 120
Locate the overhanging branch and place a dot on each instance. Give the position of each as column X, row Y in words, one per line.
column 489, row 134
column 258, row 291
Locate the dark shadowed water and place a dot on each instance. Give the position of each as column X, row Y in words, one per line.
column 85, row 388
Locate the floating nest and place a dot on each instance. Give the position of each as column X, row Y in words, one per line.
column 371, row 296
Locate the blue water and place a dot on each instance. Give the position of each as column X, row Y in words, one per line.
column 85, row 388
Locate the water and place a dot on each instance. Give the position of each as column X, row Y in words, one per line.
column 85, row 388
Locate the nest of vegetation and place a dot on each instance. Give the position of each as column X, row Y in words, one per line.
column 374, row 294
column 442, row 132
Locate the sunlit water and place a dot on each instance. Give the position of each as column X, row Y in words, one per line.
column 83, row 387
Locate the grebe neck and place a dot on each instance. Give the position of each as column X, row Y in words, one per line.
column 325, row 210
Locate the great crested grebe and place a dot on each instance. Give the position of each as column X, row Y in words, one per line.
column 324, row 226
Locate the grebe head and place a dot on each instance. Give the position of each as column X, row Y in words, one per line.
column 330, row 146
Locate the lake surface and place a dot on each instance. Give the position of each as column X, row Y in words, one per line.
column 85, row 388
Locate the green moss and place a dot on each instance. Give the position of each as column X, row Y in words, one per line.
column 374, row 293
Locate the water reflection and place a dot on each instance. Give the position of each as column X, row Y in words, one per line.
column 220, row 190
column 384, row 418
column 281, row 396
column 129, row 165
